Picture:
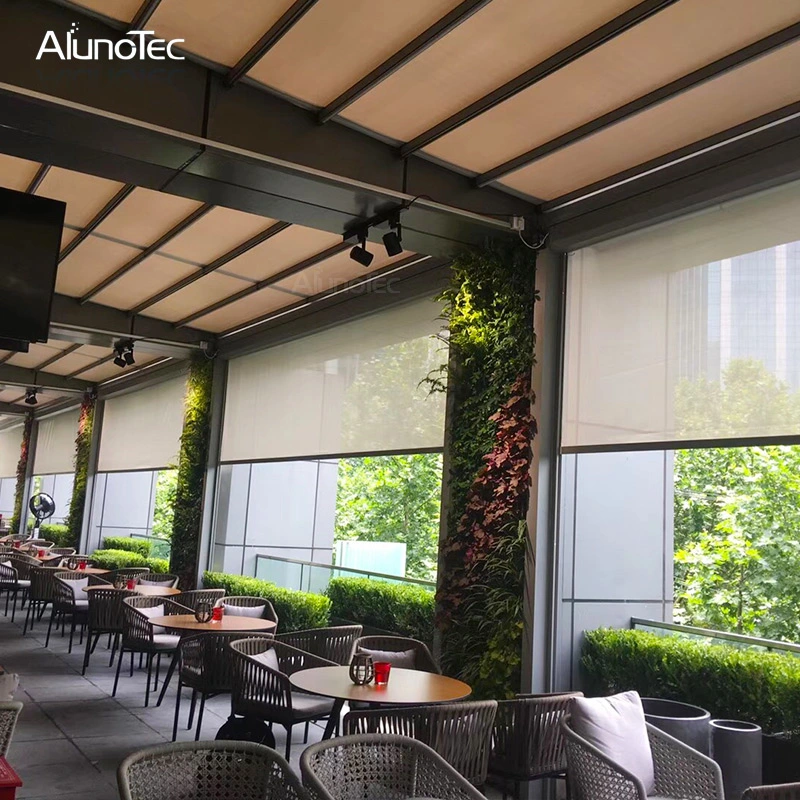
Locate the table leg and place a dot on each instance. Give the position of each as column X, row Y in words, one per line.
column 336, row 714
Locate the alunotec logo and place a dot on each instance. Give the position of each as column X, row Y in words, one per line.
column 141, row 45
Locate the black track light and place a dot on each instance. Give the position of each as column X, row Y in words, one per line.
column 30, row 397
column 360, row 253
column 123, row 353
column 392, row 242
column 128, row 355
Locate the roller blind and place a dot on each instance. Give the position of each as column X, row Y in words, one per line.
column 354, row 388
column 142, row 430
column 55, row 444
column 689, row 330
column 10, row 443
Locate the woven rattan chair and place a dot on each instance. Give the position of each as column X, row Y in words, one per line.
column 243, row 601
column 38, row 544
column 139, row 636
column 9, row 713
column 208, row 771
column 104, row 617
column 62, row 551
column 205, row 665
column 10, row 586
column 424, row 661
column 780, row 791
column 23, row 564
column 335, row 644
column 459, row 732
column 41, row 594
column 127, row 573
column 66, row 604
column 51, row 561
column 159, row 579
column 382, row 767
column 191, row 598
column 680, row 771
column 265, row 693
column 526, row 742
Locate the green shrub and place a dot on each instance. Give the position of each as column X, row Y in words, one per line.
column 53, row 532
column 402, row 609
column 117, row 559
column 160, row 565
column 730, row 682
column 140, row 546
column 296, row 610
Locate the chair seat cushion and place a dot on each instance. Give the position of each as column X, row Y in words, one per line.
column 166, row 641
column 81, row 603
column 308, row 704
column 616, row 727
column 402, row 659
column 24, row 584
column 244, row 611
column 154, row 611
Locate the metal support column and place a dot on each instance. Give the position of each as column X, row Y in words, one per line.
column 94, row 452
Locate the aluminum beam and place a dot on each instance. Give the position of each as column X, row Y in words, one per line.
column 20, row 376
column 11, row 408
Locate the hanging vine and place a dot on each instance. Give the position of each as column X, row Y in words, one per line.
column 83, row 444
column 192, row 471
column 22, row 469
column 489, row 309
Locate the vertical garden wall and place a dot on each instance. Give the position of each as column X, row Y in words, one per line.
column 83, row 446
column 192, row 471
column 489, row 310
column 22, row 471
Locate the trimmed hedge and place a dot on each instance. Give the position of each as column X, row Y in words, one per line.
column 296, row 610
column 120, row 559
column 730, row 682
column 128, row 543
column 403, row 609
column 58, row 534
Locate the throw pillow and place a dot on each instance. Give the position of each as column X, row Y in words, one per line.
column 244, row 611
column 402, row 659
column 154, row 611
column 269, row 658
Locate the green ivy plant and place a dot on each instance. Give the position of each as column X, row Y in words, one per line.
column 191, row 471
column 22, row 469
column 83, row 444
column 489, row 311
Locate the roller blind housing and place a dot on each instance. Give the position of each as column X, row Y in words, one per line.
column 689, row 330
column 142, row 430
column 354, row 388
column 55, row 444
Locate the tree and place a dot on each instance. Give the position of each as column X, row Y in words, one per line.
column 393, row 498
column 164, row 508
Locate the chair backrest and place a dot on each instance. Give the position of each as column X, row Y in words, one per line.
column 159, row 579
column 374, row 765
column 240, row 770
column 105, row 609
column 192, row 598
column 206, row 661
column 424, row 660
column 459, row 732
column 129, row 572
column 64, row 593
column 781, row 791
column 135, row 626
column 22, row 563
column 9, row 713
column 62, row 551
column 244, row 601
column 527, row 741
column 40, row 543
column 43, row 584
column 336, row 644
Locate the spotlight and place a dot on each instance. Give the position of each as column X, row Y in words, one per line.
column 360, row 253
column 30, row 397
column 123, row 353
column 128, row 355
column 392, row 242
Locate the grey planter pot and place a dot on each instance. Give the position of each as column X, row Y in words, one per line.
column 685, row 722
column 736, row 747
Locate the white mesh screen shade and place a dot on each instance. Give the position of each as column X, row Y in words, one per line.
column 10, row 443
column 689, row 330
column 354, row 388
column 55, row 444
column 142, row 429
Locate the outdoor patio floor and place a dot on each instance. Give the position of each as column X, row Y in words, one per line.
column 72, row 734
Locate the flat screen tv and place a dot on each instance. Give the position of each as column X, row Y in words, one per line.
column 30, row 240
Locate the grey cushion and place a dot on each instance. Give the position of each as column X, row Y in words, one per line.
column 155, row 611
column 308, row 704
column 244, row 611
column 402, row 659
column 24, row 583
column 166, row 641
column 615, row 726
column 77, row 588
column 144, row 582
column 269, row 658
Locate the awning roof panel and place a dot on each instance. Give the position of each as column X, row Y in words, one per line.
column 84, row 194
column 16, row 173
column 255, row 305
column 89, row 263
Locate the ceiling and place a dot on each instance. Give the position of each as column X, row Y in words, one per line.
column 560, row 93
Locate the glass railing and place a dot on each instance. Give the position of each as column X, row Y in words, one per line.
column 711, row 636
column 160, row 547
column 308, row 576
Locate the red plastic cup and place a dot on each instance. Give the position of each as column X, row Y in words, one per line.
column 131, row 584
column 17, row 544
column 82, row 564
column 216, row 614
column 382, row 670
column 41, row 554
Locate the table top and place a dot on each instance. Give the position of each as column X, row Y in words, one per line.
column 88, row 570
column 405, row 687
column 229, row 622
column 145, row 591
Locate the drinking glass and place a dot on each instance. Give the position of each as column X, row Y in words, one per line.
column 382, row 670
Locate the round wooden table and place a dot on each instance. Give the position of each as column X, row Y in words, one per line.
column 228, row 623
column 87, row 571
column 145, row 591
column 405, row 687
